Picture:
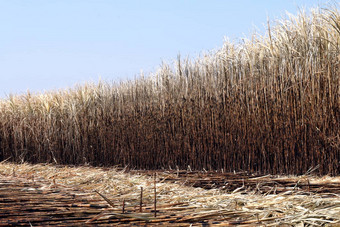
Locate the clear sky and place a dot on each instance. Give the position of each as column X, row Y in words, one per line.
column 51, row 44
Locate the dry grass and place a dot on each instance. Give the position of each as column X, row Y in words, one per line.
column 292, row 208
column 270, row 104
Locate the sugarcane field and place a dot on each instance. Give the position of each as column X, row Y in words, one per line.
column 244, row 135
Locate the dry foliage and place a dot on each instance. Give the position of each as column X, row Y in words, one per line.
column 240, row 207
column 270, row 104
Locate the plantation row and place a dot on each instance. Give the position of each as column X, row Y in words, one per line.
column 270, row 104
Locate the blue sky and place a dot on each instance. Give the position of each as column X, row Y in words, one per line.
column 52, row 44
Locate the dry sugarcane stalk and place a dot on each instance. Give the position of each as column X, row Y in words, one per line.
column 141, row 200
column 268, row 105
column 155, row 195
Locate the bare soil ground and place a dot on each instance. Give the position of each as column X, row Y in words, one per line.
column 40, row 195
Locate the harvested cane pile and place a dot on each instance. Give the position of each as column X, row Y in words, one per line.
column 50, row 195
column 268, row 184
column 270, row 105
